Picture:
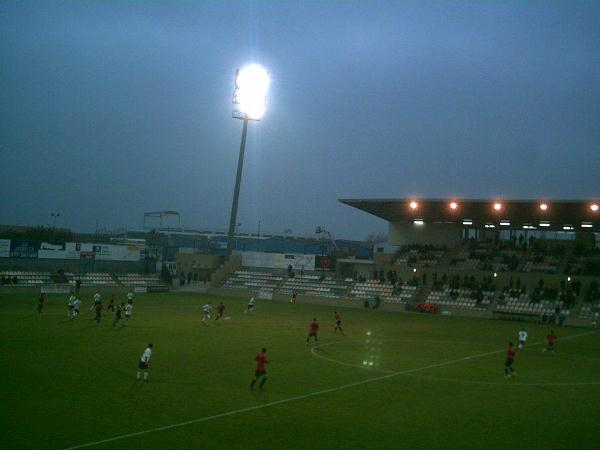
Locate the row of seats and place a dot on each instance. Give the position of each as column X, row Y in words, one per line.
column 25, row 278
column 460, row 298
column 134, row 279
column 91, row 279
column 383, row 291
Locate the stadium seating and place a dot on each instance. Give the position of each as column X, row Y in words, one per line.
column 461, row 298
column 522, row 304
column 254, row 281
column 386, row 292
column 26, row 278
column 590, row 311
column 137, row 280
column 419, row 255
column 314, row 285
column 91, row 279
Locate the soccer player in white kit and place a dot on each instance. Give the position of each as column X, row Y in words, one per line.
column 72, row 299
column 76, row 306
column 128, row 310
column 130, row 297
column 250, row 306
column 522, row 337
column 206, row 309
column 144, row 361
column 97, row 299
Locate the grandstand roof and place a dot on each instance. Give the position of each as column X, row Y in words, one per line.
column 556, row 215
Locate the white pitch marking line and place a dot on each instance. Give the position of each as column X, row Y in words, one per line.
column 455, row 380
column 292, row 399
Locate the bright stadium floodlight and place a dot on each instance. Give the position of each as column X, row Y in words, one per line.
column 414, row 205
column 251, row 88
column 453, row 205
column 497, row 206
column 543, row 206
column 250, row 103
column 594, row 207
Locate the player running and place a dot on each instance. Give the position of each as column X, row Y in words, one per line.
column 551, row 340
column 97, row 300
column 144, row 361
column 293, row 298
column 118, row 313
column 338, row 323
column 522, row 337
column 76, row 305
column 111, row 304
column 250, row 306
column 130, row 297
column 98, row 308
column 314, row 327
column 72, row 299
column 206, row 310
column 40, row 303
column 510, row 357
column 261, row 360
column 220, row 309
column 128, row 311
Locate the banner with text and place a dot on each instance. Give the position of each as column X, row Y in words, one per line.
column 24, row 249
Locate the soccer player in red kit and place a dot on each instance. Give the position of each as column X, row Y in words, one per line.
column 261, row 360
column 220, row 309
column 98, row 309
column 111, row 304
column 314, row 327
column 510, row 357
column 551, row 340
column 338, row 322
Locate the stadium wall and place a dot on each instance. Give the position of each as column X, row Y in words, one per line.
column 402, row 233
column 74, row 265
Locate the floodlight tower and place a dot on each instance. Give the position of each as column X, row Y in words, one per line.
column 250, row 103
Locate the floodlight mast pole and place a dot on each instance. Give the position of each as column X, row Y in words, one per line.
column 236, row 192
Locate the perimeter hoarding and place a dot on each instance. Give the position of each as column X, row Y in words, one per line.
column 24, row 249
column 68, row 250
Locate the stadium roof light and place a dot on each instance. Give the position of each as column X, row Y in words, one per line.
column 467, row 222
column 251, row 88
column 418, row 222
column 586, row 225
column 505, row 223
column 413, row 205
column 528, row 227
column 544, row 224
column 594, row 207
column 568, row 227
column 490, row 225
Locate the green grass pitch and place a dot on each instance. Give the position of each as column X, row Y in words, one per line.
column 393, row 381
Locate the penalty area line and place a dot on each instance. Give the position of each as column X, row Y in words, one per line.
column 295, row 398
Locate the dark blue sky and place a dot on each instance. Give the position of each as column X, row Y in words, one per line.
column 110, row 109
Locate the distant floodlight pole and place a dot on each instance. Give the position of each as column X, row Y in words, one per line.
column 250, row 103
